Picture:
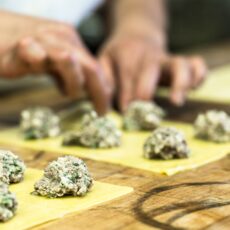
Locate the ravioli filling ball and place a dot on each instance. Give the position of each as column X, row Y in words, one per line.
column 166, row 143
column 67, row 175
column 213, row 126
column 142, row 115
column 12, row 168
column 95, row 132
column 39, row 122
column 8, row 203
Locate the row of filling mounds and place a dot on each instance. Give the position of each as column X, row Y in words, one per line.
column 101, row 132
column 168, row 148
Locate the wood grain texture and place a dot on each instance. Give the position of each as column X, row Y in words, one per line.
column 195, row 199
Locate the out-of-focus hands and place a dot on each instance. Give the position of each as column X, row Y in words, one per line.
column 136, row 62
column 32, row 46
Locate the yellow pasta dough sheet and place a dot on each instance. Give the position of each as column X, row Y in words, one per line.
column 131, row 151
column 36, row 210
column 215, row 88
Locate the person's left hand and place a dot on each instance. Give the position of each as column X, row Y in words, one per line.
column 135, row 65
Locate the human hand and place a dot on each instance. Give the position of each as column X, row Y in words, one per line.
column 32, row 46
column 136, row 63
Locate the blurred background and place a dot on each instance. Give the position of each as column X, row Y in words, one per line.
column 194, row 27
column 192, row 24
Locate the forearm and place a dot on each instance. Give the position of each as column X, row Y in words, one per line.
column 141, row 17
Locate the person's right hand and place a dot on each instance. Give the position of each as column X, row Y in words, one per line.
column 32, row 46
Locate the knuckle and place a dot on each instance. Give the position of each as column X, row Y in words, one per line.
column 94, row 71
column 20, row 47
column 178, row 59
column 199, row 61
column 93, row 66
column 66, row 28
column 197, row 58
column 67, row 57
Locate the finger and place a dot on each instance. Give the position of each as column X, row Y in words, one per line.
column 96, row 87
column 181, row 80
column 64, row 61
column 88, row 72
column 11, row 65
column 198, row 71
column 107, row 66
column 69, row 72
column 148, row 81
column 55, row 41
column 126, row 68
column 126, row 82
column 32, row 52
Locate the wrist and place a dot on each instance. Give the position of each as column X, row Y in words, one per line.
column 142, row 27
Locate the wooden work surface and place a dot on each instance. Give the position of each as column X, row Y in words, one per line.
column 195, row 199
